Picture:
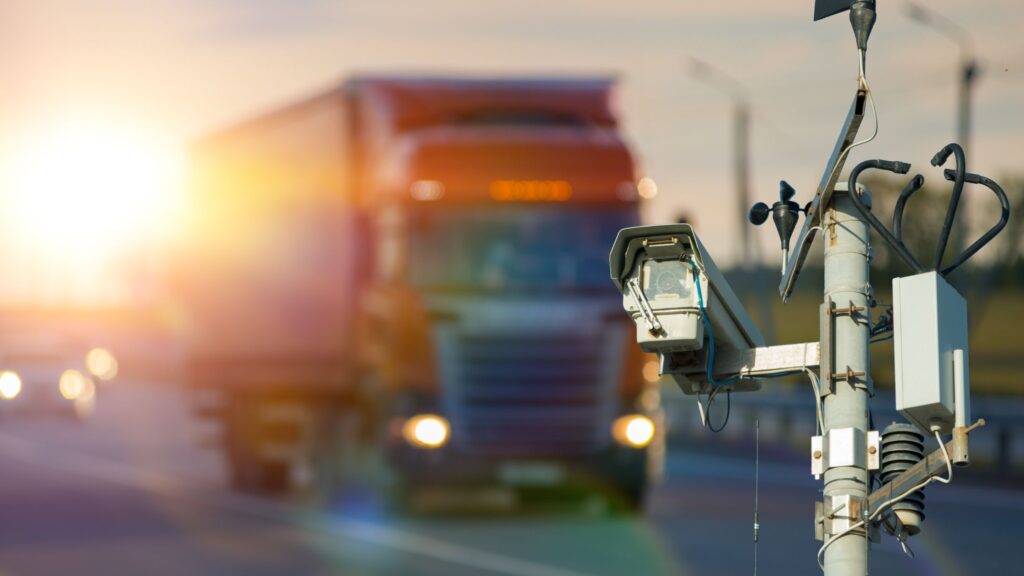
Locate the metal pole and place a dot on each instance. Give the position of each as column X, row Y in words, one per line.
column 749, row 251
column 847, row 285
column 741, row 168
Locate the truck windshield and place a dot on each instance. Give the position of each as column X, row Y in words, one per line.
column 514, row 249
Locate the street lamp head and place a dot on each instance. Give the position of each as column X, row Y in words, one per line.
column 941, row 24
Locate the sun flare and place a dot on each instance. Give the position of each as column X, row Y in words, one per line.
column 87, row 191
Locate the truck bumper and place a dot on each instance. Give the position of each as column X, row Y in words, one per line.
column 613, row 467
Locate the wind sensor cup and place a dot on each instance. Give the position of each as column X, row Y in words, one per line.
column 784, row 213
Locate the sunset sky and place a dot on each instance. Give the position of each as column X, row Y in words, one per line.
column 163, row 72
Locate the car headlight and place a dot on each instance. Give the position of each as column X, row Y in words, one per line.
column 73, row 384
column 10, row 385
column 426, row 431
column 633, row 430
column 101, row 363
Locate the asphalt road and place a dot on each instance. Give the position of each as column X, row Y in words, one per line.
column 128, row 493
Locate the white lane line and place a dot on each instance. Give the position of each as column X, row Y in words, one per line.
column 366, row 532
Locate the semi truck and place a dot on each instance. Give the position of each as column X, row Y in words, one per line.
column 416, row 267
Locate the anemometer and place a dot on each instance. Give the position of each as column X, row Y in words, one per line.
column 686, row 312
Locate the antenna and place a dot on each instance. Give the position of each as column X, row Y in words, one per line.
column 757, row 484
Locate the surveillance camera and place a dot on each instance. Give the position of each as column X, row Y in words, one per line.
column 680, row 302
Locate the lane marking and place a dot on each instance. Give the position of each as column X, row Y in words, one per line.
column 361, row 531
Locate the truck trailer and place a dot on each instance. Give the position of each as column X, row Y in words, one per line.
column 417, row 266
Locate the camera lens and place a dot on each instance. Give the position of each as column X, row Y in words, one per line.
column 666, row 280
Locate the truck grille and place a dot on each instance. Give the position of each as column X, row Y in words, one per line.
column 524, row 395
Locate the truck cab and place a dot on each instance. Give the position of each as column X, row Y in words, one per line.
column 487, row 311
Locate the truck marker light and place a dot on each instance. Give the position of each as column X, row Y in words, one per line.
column 647, row 188
column 426, row 431
column 10, row 385
column 531, row 190
column 426, row 190
column 634, row 430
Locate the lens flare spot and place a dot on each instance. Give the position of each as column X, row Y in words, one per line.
column 10, row 385
column 101, row 363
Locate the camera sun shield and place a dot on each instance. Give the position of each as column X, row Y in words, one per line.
column 657, row 269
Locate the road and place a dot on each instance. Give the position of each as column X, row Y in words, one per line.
column 128, row 493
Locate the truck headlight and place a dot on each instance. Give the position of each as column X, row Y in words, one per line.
column 633, row 430
column 10, row 385
column 426, row 431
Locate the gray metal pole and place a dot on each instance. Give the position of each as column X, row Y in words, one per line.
column 749, row 251
column 741, row 169
column 847, row 285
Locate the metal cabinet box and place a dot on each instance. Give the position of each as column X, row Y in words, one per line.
column 930, row 319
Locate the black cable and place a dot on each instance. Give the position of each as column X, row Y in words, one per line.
column 958, row 186
column 728, row 411
column 897, row 246
column 1004, row 217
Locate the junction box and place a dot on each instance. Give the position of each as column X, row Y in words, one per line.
column 932, row 383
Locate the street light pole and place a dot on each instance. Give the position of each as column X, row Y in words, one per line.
column 741, row 170
column 741, row 113
column 712, row 76
column 967, row 75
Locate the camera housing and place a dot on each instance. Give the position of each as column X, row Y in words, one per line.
column 654, row 269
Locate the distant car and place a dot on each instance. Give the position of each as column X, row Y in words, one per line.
column 46, row 382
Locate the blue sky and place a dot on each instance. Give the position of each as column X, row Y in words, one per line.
column 188, row 66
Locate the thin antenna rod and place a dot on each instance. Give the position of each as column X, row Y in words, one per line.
column 757, row 482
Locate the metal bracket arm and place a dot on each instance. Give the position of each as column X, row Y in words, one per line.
column 650, row 318
column 933, row 465
column 767, row 361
